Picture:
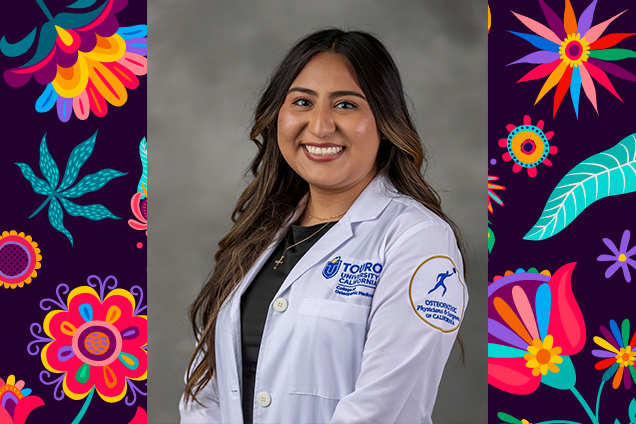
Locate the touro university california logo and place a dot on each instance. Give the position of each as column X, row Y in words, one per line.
column 332, row 267
column 437, row 293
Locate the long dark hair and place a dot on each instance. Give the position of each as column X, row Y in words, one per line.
column 276, row 189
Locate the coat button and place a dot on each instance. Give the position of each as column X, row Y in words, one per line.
column 263, row 399
column 280, row 304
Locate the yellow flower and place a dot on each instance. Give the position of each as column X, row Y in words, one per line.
column 19, row 259
column 625, row 357
column 574, row 50
column 542, row 356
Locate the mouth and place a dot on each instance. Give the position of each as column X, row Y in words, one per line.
column 323, row 153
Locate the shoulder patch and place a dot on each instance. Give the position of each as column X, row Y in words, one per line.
column 438, row 294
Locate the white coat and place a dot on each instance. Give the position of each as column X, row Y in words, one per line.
column 359, row 331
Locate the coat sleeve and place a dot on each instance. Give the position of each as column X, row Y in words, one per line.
column 411, row 329
column 194, row 413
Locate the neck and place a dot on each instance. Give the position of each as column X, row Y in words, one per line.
column 326, row 203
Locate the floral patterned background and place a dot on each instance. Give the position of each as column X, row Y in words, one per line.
column 562, row 172
column 74, row 212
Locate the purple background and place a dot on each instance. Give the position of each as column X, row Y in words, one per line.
column 600, row 299
column 102, row 248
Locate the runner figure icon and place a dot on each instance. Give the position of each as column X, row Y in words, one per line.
column 440, row 281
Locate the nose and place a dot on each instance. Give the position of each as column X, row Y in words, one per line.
column 321, row 123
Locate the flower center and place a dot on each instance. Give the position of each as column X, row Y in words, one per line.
column 625, row 356
column 97, row 343
column 622, row 257
column 528, row 147
column 543, row 356
column 573, row 50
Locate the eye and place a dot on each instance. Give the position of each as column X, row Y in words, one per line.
column 346, row 105
column 301, row 102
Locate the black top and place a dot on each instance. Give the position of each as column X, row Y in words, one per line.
column 260, row 294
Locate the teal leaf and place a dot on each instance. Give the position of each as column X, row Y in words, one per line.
column 19, row 48
column 608, row 173
column 47, row 99
column 143, row 153
column 137, row 31
column 78, row 157
column 76, row 20
column 48, row 165
column 632, row 409
column 39, row 185
column 94, row 212
column 564, row 379
column 46, row 42
column 56, row 216
column 82, row 4
column 92, row 182
column 501, row 351
column 616, row 421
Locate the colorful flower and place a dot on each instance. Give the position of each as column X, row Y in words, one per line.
column 19, row 259
column 621, row 258
column 491, row 193
column 15, row 401
column 526, row 341
column 573, row 54
column 527, row 146
column 85, row 60
column 619, row 355
column 140, row 210
column 97, row 342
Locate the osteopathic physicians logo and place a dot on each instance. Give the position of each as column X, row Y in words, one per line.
column 438, row 294
column 353, row 277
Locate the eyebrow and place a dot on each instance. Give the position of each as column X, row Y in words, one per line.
column 331, row 95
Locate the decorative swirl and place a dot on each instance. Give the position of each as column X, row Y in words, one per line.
column 39, row 338
column 61, row 304
column 141, row 298
column 57, row 386
column 102, row 284
column 135, row 390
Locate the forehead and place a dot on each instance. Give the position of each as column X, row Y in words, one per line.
column 327, row 72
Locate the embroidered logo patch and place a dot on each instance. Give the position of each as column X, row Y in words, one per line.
column 332, row 267
column 437, row 293
column 353, row 278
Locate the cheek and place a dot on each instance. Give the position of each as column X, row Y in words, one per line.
column 288, row 125
column 365, row 126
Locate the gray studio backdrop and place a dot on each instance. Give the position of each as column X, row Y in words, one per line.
column 209, row 60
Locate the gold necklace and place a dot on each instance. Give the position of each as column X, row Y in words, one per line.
column 322, row 219
column 282, row 258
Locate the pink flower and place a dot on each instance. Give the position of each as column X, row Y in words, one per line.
column 140, row 209
column 16, row 401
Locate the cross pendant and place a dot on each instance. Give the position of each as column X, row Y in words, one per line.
column 279, row 261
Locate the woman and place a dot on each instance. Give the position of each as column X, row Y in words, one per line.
column 341, row 277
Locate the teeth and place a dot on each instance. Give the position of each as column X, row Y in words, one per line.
column 323, row 151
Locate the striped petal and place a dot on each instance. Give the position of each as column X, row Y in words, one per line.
column 525, row 311
column 47, row 99
column 575, row 89
column 500, row 331
column 569, row 19
column 538, row 57
column 508, row 315
column 540, row 71
column 552, row 80
column 539, row 29
column 554, row 21
column 616, row 333
column 64, row 108
column 562, row 89
column 609, row 41
column 538, row 42
column 81, row 106
column 542, row 304
column 605, row 344
column 597, row 30
column 585, row 20
column 602, row 78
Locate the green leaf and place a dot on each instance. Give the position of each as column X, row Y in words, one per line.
column 508, row 418
column 608, row 173
column 39, row 186
column 565, row 379
column 92, row 182
column 612, row 54
column 81, row 4
column 78, row 157
column 94, row 212
column 56, row 216
column 19, row 48
column 632, row 409
column 143, row 153
column 48, row 165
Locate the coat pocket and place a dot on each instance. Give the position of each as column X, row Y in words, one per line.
column 327, row 343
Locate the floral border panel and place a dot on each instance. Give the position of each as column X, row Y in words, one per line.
column 73, row 222
column 561, row 183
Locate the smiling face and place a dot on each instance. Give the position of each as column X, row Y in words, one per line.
column 326, row 130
